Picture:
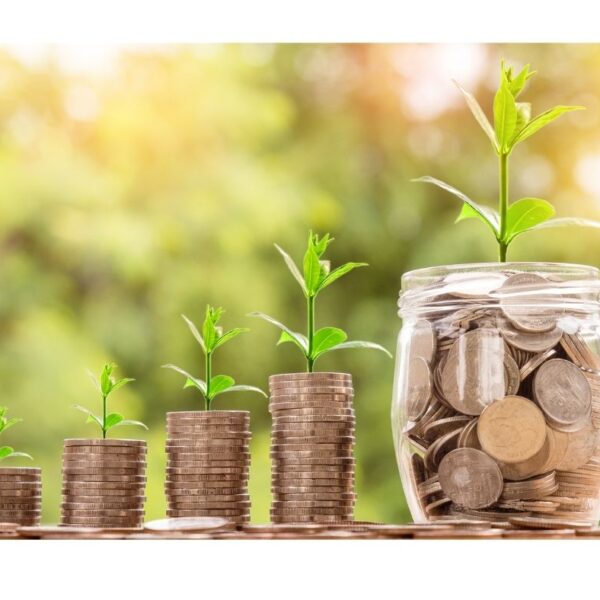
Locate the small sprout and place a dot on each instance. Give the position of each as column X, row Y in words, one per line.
column 513, row 124
column 106, row 385
column 316, row 276
column 211, row 338
column 5, row 423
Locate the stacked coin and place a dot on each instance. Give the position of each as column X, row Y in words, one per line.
column 20, row 495
column 104, row 482
column 502, row 403
column 208, row 464
column 312, row 447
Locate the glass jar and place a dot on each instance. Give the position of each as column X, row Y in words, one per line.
column 496, row 404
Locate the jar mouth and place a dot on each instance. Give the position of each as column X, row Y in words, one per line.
column 451, row 287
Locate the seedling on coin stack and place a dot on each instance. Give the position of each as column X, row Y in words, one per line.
column 104, row 479
column 20, row 487
column 208, row 451
column 496, row 408
column 312, row 440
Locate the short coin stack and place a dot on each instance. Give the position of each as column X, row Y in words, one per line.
column 103, row 483
column 312, row 447
column 208, row 464
column 20, row 495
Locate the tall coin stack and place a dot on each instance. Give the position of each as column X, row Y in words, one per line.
column 208, row 464
column 20, row 495
column 104, row 483
column 312, row 447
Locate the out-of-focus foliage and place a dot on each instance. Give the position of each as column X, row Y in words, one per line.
column 157, row 184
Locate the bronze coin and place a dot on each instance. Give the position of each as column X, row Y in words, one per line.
column 574, row 449
column 530, row 342
column 104, row 442
column 541, row 462
column 419, row 388
column 470, row 478
column 213, row 512
column 548, row 523
column 20, row 471
column 99, row 478
column 136, row 452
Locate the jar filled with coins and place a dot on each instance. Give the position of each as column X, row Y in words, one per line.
column 496, row 406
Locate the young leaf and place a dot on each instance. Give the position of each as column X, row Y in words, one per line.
column 229, row 336
column 130, row 422
column 523, row 115
column 479, row 115
column 6, row 451
column 320, row 245
column 300, row 340
column 195, row 333
column 542, row 120
column 517, row 83
column 94, row 379
column 466, row 212
column 6, row 423
column 112, row 420
column 360, row 344
column 92, row 418
column 525, row 214
column 312, row 270
column 191, row 381
column 505, row 115
column 244, row 388
column 219, row 383
column 326, row 338
column 339, row 272
column 106, row 382
column 119, row 384
column 567, row 222
column 293, row 268
column 209, row 327
column 20, row 455
column 487, row 214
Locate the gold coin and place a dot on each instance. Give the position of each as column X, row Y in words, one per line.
column 541, row 462
column 512, row 429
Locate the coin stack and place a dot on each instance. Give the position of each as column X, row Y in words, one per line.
column 312, row 447
column 104, row 482
column 20, row 495
column 208, row 464
column 502, row 400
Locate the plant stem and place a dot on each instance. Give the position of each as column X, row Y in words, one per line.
column 208, row 371
column 103, row 417
column 503, row 205
column 310, row 302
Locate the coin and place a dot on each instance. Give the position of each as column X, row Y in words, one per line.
column 231, row 445
column 67, row 470
column 541, row 462
column 312, row 390
column 313, row 441
column 467, row 438
column 296, row 400
column 103, row 442
column 92, row 478
column 103, row 522
column 419, row 388
column 210, row 415
column 436, row 452
column 104, row 464
column 548, row 523
column 216, row 512
column 579, row 447
column 530, row 342
column 470, row 478
column 534, row 362
column 530, row 489
column 563, row 393
column 313, row 377
column 195, row 477
column 101, row 452
column 512, row 429
column 190, row 524
column 473, row 375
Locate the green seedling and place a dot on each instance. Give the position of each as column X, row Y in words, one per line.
column 513, row 124
column 107, row 385
column 211, row 338
column 5, row 423
column 315, row 278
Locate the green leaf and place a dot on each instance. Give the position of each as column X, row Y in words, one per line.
column 130, row 422
column 339, row 272
column 218, row 384
column 19, row 455
column 525, row 214
column 516, row 84
column 488, row 216
column 542, row 120
column 326, row 338
column 360, row 344
column 9, row 423
column 244, row 388
column 119, row 384
column 523, row 115
column 312, row 271
column 94, row 379
column 229, row 336
column 505, row 116
column 112, row 420
column 299, row 339
column 5, row 451
column 210, row 331
column 479, row 115
column 567, row 222
column 195, row 332
column 293, row 268
column 320, row 245
column 466, row 212
column 191, row 381
column 105, row 378
column 92, row 418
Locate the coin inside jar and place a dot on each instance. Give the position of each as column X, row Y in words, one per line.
column 512, row 430
column 470, row 478
column 563, row 393
column 419, row 388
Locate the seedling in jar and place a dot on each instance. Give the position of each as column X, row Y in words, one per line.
column 107, row 385
column 513, row 124
column 211, row 338
column 316, row 276
column 5, row 423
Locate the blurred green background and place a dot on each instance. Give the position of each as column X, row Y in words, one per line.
column 138, row 183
